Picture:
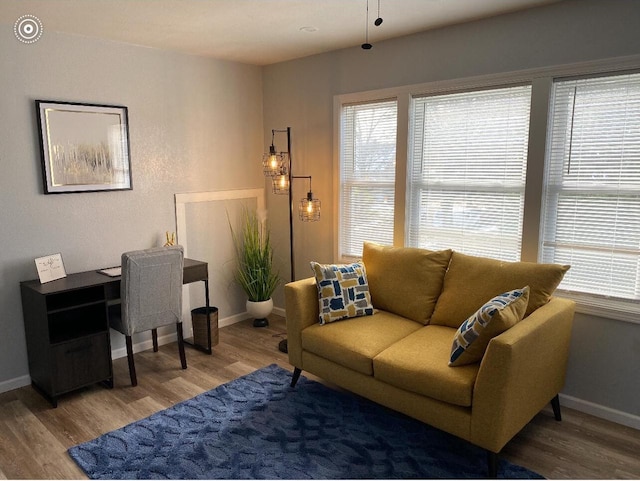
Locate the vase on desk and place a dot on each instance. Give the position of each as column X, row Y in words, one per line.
column 259, row 310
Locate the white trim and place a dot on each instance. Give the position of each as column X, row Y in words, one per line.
column 615, row 64
column 181, row 200
column 220, row 195
column 594, row 305
column 15, row 383
column 600, row 411
column 172, row 337
column 144, row 345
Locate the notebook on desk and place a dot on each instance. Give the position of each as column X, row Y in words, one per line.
column 111, row 271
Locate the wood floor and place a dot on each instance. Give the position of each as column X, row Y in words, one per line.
column 34, row 437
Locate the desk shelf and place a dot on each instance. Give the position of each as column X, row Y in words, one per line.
column 67, row 333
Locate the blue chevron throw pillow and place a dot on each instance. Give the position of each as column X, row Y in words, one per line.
column 496, row 316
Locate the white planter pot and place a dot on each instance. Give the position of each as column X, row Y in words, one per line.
column 259, row 311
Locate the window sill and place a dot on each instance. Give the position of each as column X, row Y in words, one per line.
column 608, row 308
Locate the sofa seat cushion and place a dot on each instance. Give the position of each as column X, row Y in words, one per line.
column 420, row 363
column 354, row 343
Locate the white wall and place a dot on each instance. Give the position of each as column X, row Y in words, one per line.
column 195, row 125
column 605, row 358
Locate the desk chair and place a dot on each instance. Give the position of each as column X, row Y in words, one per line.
column 150, row 296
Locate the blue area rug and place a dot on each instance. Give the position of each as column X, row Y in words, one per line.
column 257, row 427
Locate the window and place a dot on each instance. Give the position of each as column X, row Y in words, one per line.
column 367, row 175
column 467, row 170
column 591, row 215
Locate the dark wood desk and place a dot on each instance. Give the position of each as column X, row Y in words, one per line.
column 67, row 328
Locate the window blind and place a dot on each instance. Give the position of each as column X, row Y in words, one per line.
column 468, row 155
column 592, row 202
column 367, row 175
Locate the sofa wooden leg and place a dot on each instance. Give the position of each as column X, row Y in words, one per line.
column 296, row 376
column 555, row 404
column 492, row 465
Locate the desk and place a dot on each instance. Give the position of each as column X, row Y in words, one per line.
column 67, row 328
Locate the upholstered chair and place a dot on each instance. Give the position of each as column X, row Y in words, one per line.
column 151, row 297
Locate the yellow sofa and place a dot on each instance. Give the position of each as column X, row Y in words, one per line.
column 399, row 356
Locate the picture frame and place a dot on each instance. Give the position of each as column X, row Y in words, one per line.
column 84, row 147
column 50, row 268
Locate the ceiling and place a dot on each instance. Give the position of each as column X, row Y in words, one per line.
column 259, row 32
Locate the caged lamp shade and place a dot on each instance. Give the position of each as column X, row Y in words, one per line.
column 309, row 209
column 280, row 183
column 275, row 163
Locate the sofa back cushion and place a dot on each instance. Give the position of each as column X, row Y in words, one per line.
column 471, row 280
column 405, row 280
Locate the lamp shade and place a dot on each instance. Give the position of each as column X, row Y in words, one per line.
column 280, row 183
column 309, row 209
column 273, row 163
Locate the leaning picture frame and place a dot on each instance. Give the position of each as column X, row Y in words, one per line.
column 84, row 147
column 50, row 268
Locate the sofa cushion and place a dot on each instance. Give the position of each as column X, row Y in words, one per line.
column 405, row 280
column 343, row 291
column 420, row 363
column 354, row 343
column 496, row 316
column 471, row 280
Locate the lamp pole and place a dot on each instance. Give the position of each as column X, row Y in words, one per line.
column 293, row 270
column 312, row 212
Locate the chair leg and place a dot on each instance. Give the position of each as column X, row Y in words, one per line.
column 492, row 465
column 132, row 366
column 555, row 404
column 296, row 376
column 154, row 337
column 183, row 357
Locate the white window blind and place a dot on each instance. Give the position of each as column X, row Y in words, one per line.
column 367, row 175
column 592, row 203
column 468, row 157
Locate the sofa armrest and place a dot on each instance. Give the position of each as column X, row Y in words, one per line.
column 521, row 371
column 302, row 311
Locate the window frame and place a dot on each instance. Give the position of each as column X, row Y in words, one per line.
column 587, row 302
column 372, row 184
column 473, row 188
column 541, row 80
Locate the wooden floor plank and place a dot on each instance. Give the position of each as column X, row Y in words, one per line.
column 34, row 437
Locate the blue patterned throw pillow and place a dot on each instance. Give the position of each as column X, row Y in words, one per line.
column 496, row 316
column 343, row 291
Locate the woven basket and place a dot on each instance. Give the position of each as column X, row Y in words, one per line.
column 199, row 322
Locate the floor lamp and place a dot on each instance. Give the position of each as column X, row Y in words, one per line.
column 279, row 167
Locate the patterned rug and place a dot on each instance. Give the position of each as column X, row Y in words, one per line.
column 257, row 427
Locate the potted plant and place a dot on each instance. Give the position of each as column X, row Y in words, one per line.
column 255, row 271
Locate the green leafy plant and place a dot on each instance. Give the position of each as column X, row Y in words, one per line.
column 255, row 271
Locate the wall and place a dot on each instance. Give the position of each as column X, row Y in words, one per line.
column 605, row 359
column 195, row 125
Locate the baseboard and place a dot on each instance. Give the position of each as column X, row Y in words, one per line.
column 144, row 345
column 14, row 383
column 279, row 311
column 600, row 411
column 172, row 337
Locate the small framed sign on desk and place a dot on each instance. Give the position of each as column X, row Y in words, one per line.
column 50, row 268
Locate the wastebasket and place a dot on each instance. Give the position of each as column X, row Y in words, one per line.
column 199, row 323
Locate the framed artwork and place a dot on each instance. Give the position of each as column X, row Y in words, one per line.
column 84, row 147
